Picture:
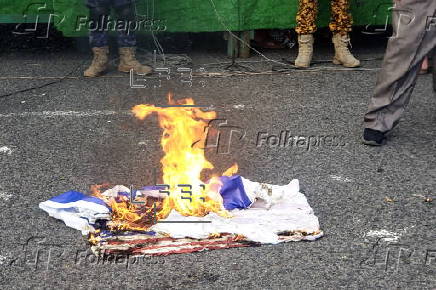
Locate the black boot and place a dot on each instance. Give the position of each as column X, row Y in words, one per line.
column 373, row 137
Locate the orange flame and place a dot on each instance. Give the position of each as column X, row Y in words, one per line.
column 231, row 171
column 183, row 125
column 128, row 216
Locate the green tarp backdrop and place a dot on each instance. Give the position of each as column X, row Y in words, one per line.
column 193, row 15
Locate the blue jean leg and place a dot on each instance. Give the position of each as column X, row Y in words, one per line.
column 100, row 10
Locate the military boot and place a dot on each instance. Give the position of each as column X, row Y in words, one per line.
column 343, row 55
column 305, row 50
column 99, row 62
column 128, row 61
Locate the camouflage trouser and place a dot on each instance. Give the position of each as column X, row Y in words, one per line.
column 99, row 11
column 341, row 20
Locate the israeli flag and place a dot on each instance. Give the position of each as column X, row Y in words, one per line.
column 80, row 211
column 77, row 210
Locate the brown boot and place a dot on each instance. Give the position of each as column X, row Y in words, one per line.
column 128, row 62
column 99, row 62
column 342, row 53
column 305, row 50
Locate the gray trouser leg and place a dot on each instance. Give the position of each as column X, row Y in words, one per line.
column 414, row 24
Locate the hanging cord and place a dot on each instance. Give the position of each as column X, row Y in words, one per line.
column 58, row 80
column 157, row 44
column 238, row 38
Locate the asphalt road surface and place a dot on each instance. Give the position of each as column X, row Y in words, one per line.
column 379, row 230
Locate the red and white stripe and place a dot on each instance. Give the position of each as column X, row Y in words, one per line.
column 149, row 245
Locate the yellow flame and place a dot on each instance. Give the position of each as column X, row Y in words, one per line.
column 231, row 171
column 128, row 216
column 183, row 125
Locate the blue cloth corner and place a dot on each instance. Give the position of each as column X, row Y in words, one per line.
column 233, row 193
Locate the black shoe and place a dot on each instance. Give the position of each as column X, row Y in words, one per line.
column 373, row 137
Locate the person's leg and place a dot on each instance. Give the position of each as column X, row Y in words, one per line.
column 126, row 17
column 414, row 37
column 306, row 16
column 340, row 26
column 341, row 19
column 99, row 12
column 127, row 37
column 306, row 26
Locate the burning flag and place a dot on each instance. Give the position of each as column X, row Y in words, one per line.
column 185, row 213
